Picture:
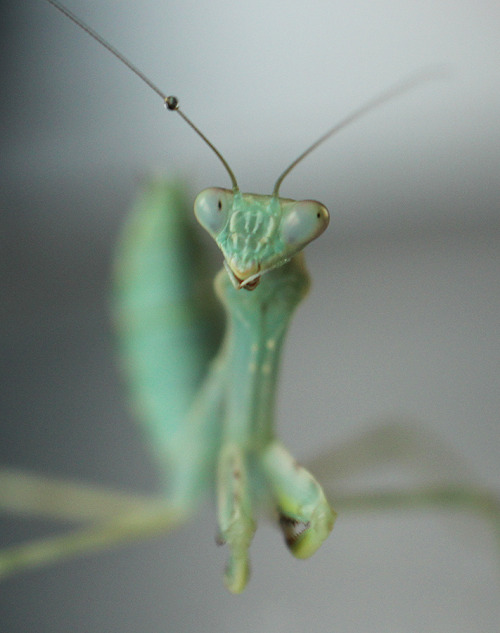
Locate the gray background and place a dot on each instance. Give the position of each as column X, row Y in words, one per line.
column 402, row 322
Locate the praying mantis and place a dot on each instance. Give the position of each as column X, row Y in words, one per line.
column 240, row 459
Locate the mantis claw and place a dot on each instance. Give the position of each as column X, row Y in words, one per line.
column 306, row 518
column 303, row 538
column 237, row 571
column 292, row 529
column 236, row 523
column 238, row 537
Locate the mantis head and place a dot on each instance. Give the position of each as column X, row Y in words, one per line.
column 257, row 233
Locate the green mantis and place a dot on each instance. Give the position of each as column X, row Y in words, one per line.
column 223, row 432
column 227, row 431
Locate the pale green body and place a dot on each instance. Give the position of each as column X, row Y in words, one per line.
column 219, row 429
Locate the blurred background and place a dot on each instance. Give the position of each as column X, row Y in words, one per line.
column 402, row 323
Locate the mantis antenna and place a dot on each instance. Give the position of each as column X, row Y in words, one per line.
column 394, row 91
column 172, row 103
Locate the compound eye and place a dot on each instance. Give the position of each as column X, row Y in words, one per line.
column 304, row 222
column 212, row 207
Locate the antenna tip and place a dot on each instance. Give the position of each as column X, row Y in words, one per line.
column 172, row 103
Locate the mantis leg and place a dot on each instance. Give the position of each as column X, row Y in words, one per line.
column 127, row 517
column 455, row 497
column 236, row 522
column 306, row 518
column 152, row 520
column 25, row 494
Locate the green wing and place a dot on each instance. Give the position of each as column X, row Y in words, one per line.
column 167, row 319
